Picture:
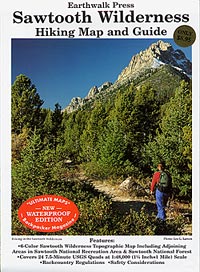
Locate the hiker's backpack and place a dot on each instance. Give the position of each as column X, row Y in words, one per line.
column 165, row 182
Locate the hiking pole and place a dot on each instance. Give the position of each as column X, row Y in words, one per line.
column 168, row 202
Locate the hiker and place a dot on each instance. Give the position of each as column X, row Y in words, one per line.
column 161, row 184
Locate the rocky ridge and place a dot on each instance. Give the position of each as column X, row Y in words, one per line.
column 157, row 55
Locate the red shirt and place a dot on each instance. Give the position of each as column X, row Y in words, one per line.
column 155, row 180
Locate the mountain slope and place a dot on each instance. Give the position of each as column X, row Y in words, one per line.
column 159, row 65
column 156, row 55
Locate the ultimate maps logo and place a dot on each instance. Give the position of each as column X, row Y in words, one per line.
column 48, row 213
column 115, row 14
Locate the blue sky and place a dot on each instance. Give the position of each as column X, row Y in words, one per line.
column 65, row 68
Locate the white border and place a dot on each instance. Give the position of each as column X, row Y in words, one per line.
column 9, row 31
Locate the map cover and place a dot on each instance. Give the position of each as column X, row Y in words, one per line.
column 99, row 136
